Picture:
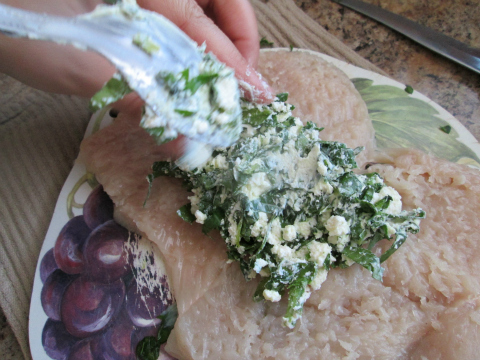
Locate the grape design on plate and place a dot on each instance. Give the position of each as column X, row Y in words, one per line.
column 97, row 304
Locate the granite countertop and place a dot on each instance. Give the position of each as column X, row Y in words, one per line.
column 455, row 88
column 452, row 86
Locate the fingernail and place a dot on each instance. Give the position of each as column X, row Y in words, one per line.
column 260, row 92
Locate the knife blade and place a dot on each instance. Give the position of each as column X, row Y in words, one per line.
column 433, row 40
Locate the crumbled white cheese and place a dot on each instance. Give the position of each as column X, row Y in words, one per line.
column 377, row 179
column 289, row 233
column 221, row 118
column 304, row 228
column 274, row 236
column 280, row 106
column 201, row 217
column 227, row 89
column 319, row 279
column 219, row 162
column 286, row 176
column 321, row 167
column 395, row 206
column 232, row 224
column 322, row 187
column 337, row 225
column 256, row 185
column 272, row 295
column 390, row 230
column 260, row 226
column 319, row 251
column 340, row 241
column 283, row 252
column 195, row 199
column 259, row 265
column 200, row 126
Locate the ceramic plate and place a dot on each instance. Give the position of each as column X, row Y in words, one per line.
column 113, row 295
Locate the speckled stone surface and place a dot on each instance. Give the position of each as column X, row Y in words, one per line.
column 9, row 348
column 452, row 86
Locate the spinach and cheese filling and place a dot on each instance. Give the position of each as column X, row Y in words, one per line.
column 208, row 104
column 210, row 101
column 289, row 206
column 204, row 106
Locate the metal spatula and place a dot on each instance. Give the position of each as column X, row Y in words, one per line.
column 111, row 31
column 111, row 36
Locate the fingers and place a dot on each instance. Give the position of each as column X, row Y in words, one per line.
column 52, row 67
column 236, row 19
column 190, row 17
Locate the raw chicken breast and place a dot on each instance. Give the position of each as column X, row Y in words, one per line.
column 321, row 93
column 426, row 308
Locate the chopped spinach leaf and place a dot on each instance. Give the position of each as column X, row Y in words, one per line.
column 213, row 220
column 194, row 84
column 409, row 89
column 149, row 347
column 115, row 89
column 446, row 129
column 185, row 212
column 255, row 117
column 296, row 291
column 365, row 258
column 282, row 97
column 265, row 42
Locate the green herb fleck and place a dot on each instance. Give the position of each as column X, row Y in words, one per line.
column 146, row 43
column 282, row 97
column 446, row 129
column 409, row 89
column 291, row 47
column 184, row 112
column 265, row 42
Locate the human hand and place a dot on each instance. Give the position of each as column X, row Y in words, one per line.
column 49, row 66
column 64, row 69
column 228, row 27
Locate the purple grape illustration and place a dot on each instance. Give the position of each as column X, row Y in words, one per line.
column 56, row 341
column 48, row 265
column 85, row 279
column 144, row 305
column 119, row 341
column 98, row 208
column 89, row 306
column 85, row 349
column 68, row 247
column 52, row 293
column 105, row 254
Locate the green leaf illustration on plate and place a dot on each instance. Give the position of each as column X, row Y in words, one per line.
column 401, row 120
